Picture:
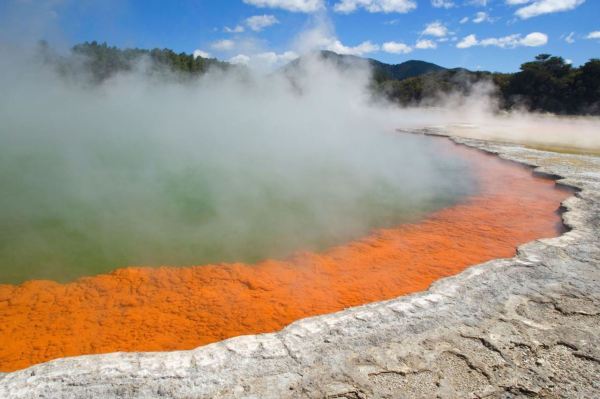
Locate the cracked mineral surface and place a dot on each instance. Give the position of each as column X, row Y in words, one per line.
column 528, row 326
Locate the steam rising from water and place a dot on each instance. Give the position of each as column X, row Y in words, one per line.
column 476, row 115
column 230, row 167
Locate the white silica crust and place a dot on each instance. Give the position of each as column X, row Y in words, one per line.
column 508, row 328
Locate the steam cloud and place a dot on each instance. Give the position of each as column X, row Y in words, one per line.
column 476, row 115
column 144, row 170
column 231, row 166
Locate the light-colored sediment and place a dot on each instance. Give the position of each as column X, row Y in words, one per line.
column 522, row 327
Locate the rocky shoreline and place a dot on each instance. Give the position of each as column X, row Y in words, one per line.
column 528, row 326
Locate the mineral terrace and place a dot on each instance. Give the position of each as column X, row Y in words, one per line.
column 522, row 327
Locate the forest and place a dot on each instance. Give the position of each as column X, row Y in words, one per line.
column 101, row 61
column 546, row 84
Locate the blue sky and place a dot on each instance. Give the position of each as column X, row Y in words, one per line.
column 477, row 34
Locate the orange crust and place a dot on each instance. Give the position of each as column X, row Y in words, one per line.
column 171, row 308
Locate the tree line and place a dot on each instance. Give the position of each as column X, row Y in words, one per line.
column 546, row 84
column 102, row 61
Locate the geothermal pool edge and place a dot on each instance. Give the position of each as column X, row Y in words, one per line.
column 525, row 326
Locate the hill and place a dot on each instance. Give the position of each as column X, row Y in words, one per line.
column 381, row 71
column 405, row 70
column 546, row 84
column 102, row 61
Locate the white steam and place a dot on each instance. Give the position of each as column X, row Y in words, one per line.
column 233, row 166
column 477, row 115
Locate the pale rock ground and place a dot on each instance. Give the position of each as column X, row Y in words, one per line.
column 510, row 328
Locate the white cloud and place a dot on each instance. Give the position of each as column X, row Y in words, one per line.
column 534, row 39
column 502, row 42
column 271, row 58
column 364, row 48
column 436, row 29
column 425, row 44
column 481, row 17
column 322, row 37
column 240, row 59
column 467, row 41
column 264, row 61
column 479, row 3
column 570, row 38
column 396, row 48
column 285, row 57
column 223, row 45
column 385, row 6
column 593, row 35
column 288, row 56
column 540, row 7
column 260, row 22
column 236, row 29
column 569, row 61
column 464, row 20
column 200, row 53
column 307, row 6
column 517, row 2
column 442, row 3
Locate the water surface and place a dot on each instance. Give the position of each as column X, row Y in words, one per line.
column 78, row 208
column 172, row 308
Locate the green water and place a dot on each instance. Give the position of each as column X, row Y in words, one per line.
column 63, row 216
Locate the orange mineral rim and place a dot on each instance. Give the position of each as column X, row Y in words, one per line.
column 171, row 308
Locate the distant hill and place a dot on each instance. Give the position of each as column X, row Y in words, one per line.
column 381, row 71
column 405, row 70
column 102, row 61
column 546, row 84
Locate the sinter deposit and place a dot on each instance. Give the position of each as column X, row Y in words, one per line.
column 519, row 327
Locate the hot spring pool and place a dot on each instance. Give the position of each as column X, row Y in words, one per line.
column 286, row 198
column 175, row 308
column 71, row 209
